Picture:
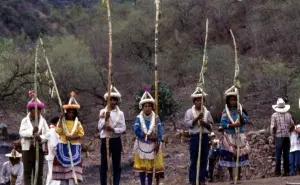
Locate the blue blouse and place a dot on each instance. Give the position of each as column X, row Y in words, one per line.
column 225, row 121
column 138, row 128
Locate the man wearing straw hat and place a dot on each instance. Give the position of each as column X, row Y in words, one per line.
column 281, row 124
column 30, row 133
column 116, row 127
column 191, row 120
column 12, row 170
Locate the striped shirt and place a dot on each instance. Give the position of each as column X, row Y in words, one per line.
column 283, row 123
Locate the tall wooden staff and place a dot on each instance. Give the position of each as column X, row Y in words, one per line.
column 108, row 90
column 157, row 21
column 36, row 114
column 201, row 86
column 60, row 104
column 237, row 86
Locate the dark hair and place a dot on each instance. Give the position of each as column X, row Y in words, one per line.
column 75, row 113
column 194, row 99
column 228, row 98
column 152, row 105
column 227, row 102
column 54, row 120
column 117, row 99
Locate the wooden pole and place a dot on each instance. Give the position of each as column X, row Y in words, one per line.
column 201, row 85
column 109, row 176
column 157, row 21
column 36, row 114
column 237, row 87
column 60, row 104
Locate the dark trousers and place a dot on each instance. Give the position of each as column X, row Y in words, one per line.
column 194, row 146
column 282, row 146
column 211, row 167
column 28, row 158
column 115, row 147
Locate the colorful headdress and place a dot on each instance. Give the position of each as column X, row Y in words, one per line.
column 14, row 154
column 198, row 93
column 113, row 93
column 73, row 104
column 146, row 98
column 31, row 104
column 232, row 91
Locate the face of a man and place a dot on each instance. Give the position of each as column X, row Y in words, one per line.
column 113, row 102
column 197, row 103
column 32, row 113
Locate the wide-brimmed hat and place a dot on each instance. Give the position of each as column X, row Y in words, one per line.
column 13, row 154
column 281, row 107
column 73, row 104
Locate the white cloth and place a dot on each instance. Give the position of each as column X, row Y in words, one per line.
column 49, row 180
column 189, row 117
column 52, row 142
column 119, row 128
column 295, row 141
column 26, row 129
column 7, row 169
column 145, row 150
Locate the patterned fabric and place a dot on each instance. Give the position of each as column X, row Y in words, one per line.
column 62, row 154
column 228, row 149
column 283, row 122
column 62, row 173
column 225, row 120
column 138, row 129
column 144, row 164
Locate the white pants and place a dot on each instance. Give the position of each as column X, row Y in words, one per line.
column 49, row 180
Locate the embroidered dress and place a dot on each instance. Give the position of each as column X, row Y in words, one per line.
column 144, row 153
column 229, row 141
column 62, row 164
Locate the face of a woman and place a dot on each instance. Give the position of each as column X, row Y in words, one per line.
column 70, row 114
column 147, row 108
column 232, row 101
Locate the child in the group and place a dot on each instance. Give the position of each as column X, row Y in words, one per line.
column 12, row 170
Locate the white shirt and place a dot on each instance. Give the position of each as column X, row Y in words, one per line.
column 7, row 169
column 194, row 129
column 26, row 129
column 295, row 142
column 52, row 142
column 119, row 128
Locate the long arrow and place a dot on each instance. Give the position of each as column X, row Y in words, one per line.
column 237, row 86
column 200, row 85
column 60, row 104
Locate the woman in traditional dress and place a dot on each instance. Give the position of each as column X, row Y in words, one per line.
column 62, row 168
column 147, row 146
column 230, row 139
